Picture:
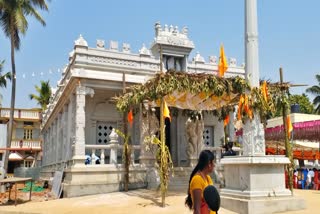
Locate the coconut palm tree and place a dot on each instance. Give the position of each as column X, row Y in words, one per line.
column 3, row 79
column 315, row 90
column 44, row 94
column 13, row 21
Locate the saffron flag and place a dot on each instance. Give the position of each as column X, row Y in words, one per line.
column 223, row 65
column 130, row 117
column 264, row 90
column 226, row 121
column 166, row 112
column 247, row 107
column 241, row 101
column 289, row 125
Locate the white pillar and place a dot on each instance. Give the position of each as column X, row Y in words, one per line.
column 251, row 43
column 114, row 147
column 69, row 129
column 64, row 135
column 253, row 131
column 80, row 122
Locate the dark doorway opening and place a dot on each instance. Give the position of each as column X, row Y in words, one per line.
column 167, row 131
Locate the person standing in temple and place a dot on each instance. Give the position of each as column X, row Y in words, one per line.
column 199, row 180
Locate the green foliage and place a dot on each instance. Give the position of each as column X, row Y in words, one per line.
column 213, row 86
column 164, row 84
column 13, row 17
column 306, row 106
column 126, row 146
column 4, row 77
column 315, row 90
column 302, row 100
column 163, row 160
column 44, row 94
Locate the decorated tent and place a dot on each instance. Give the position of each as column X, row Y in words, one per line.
column 199, row 91
column 307, row 131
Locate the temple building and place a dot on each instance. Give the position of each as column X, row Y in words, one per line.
column 78, row 124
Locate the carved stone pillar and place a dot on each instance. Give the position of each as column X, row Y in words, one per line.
column 114, row 147
column 149, row 125
column 253, row 138
column 69, row 128
column 80, row 122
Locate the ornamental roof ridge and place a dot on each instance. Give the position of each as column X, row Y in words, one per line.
column 172, row 36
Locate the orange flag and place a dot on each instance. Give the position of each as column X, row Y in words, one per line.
column 247, row 107
column 264, row 90
column 166, row 112
column 226, row 120
column 223, row 65
column 289, row 125
column 130, row 117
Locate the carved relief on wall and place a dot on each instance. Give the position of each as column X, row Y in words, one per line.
column 194, row 132
column 253, row 137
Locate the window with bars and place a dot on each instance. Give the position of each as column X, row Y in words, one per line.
column 104, row 130
column 208, row 136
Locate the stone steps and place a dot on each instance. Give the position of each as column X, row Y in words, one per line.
column 180, row 180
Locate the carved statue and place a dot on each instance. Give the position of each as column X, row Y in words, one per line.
column 194, row 131
column 154, row 123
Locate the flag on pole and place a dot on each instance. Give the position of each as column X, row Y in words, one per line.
column 223, row 64
column 130, row 117
column 247, row 108
column 226, row 120
column 289, row 125
column 264, row 90
column 166, row 111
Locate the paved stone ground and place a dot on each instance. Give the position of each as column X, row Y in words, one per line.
column 133, row 202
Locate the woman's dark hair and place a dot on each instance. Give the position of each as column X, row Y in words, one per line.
column 205, row 157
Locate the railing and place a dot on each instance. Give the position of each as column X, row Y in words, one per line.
column 21, row 113
column 26, row 144
column 109, row 154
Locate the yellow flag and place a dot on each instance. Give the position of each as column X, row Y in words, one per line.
column 166, row 112
column 264, row 90
column 241, row 101
column 289, row 125
column 223, row 64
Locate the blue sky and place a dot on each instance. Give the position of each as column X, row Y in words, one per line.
column 289, row 35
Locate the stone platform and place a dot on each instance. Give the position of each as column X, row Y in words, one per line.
column 257, row 185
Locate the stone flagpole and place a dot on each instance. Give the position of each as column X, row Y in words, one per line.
column 253, row 131
column 251, row 43
column 254, row 182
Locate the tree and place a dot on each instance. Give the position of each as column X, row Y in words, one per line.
column 3, row 79
column 44, row 94
column 303, row 101
column 315, row 90
column 13, row 20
